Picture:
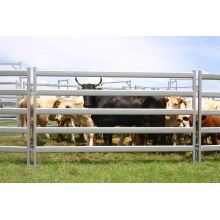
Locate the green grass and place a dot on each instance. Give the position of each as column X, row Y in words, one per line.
column 109, row 168
column 105, row 167
column 8, row 124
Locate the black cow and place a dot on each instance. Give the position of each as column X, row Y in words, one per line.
column 125, row 120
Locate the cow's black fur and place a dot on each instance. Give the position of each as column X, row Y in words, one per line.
column 125, row 120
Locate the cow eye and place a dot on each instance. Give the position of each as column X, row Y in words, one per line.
column 179, row 120
column 185, row 118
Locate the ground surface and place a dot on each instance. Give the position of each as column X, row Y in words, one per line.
column 106, row 167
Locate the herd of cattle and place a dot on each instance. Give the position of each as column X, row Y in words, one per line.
column 173, row 102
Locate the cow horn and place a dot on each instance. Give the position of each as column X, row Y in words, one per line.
column 78, row 82
column 99, row 82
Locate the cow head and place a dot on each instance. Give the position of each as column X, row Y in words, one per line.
column 183, row 121
column 88, row 100
column 175, row 102
column 62, row 103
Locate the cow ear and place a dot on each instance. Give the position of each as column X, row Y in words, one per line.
column 204, row 117
column 56, row 103
column 182, row 100
column 167, row 98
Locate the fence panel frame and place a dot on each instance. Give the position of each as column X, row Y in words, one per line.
column 192, row 93
column 201, row 77
column 27, row 148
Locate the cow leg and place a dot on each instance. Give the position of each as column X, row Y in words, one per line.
column 185, row 137
column 163, row 139
column 174, row 139
column 139, row 139
column 122, row 138
column 108, row 139
column 23, row 123
column 214, row 138
column 85, row 137
column 71, row 124
column 133, row 136
column 44, row 125
column 87, row 122
column 60, row 136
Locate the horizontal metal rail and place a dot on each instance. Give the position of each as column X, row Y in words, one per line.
column 13, row 97
column 21, row 149
column 13, row 92
column 211, row 94
column 210, row 112
column 89, row 92
column 113, row 111
column 114, row 74
column 210, row 76
column 7, row 120
column 13, row 111
column 11, row 103
column 109, row 130
column 13, row 73
column 210, row 130
column 11, row 130
column 8, row 83
column 210, row 147
column 56, row 85
column 7, row 115
column 171, row 148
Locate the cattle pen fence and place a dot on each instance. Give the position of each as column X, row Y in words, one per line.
column 32, row 90
column 203, row 76
column 17, row 111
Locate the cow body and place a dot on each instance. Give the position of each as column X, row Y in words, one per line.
column 42, row 120
column 73, row 120
column 125, row 120
column 128, row 120
column 208, row 121
column 42, row 102
column 174, row 102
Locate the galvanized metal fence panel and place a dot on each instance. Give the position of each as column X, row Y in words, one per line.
column 191, row 75
column 16, row 111
column 201, row 130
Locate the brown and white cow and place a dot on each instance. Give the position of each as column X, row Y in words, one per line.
column 42, row 102
column 174, row 102
column 208, row 121
column 73, row 120
column 42, row 120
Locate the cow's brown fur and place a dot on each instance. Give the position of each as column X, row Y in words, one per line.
column 42, row 120
column 72, row 120
column 208, row 121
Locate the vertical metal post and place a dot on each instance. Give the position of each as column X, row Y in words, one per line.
column 34, row 114
column 194, row 116
column 199, row 115
column 17, row 101
column 20, row 65
column 28, row 117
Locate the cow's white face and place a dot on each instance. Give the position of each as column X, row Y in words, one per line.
column 64, row 105
column 175, row 102
column 183, row 121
